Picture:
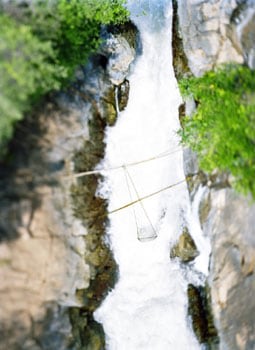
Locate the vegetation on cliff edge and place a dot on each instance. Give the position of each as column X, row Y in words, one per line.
column 41, row 45
column 222, row 129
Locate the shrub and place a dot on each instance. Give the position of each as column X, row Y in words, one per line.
column 25, row 72
column 73, row 26
column 41, row 45
column 222, row 129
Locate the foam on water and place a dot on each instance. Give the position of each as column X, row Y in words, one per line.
column 148, row 307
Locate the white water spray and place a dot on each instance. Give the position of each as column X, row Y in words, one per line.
column 147, row 310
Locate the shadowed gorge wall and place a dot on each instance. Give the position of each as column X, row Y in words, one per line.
column 54, row 265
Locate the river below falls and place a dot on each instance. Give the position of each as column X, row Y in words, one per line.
column 147, row 309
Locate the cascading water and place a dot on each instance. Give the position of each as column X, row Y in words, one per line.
column 148, row 307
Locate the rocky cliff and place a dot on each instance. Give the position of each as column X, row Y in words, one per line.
column 211, row 33
column 55, row 266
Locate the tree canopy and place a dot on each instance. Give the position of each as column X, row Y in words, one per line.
column 41, row 45
column 222, row 129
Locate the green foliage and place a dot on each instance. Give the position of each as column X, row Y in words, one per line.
column 222, row 129
column 25, row 72
column 73, row 26
column 41, row 45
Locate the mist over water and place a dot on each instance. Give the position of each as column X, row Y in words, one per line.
column 147, row 310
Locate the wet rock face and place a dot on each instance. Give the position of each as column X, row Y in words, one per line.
column 115, row 99
column 185, row 249
column 180, row 62
column 199, row 309
column 103, row 100
column 91, row 210
column 123, row 93
column 214, row 32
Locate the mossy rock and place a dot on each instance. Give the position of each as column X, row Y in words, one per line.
column 111, row 113
column 123, row 94
column 84, row 337
column 204, row 208
column 185, row 249
column 199, row 309
column 91, row 210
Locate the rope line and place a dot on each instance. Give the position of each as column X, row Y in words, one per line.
column 141, row 203
column 130, row 203
column 146, row 197
column 98, row 171
column 130, row 195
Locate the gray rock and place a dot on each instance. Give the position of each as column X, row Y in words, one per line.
column 42, row 246
column 231, row 226
column 120, row 55
column 208, row 34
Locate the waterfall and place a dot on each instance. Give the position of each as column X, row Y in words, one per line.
column 148, row 307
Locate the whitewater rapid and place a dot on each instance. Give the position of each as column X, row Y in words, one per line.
column 147, row 310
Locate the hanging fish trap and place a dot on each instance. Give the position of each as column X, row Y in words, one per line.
column 144, row 233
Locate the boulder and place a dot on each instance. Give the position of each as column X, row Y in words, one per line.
column 120, row 55
column 185, row 248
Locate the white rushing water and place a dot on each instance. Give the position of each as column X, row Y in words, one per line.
column 147, row 310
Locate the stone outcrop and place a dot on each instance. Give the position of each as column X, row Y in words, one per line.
column 185, row 249
column 120, row 46
column 214, row 32
column 42, row 246
column 121, row 55
column 55, row 267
